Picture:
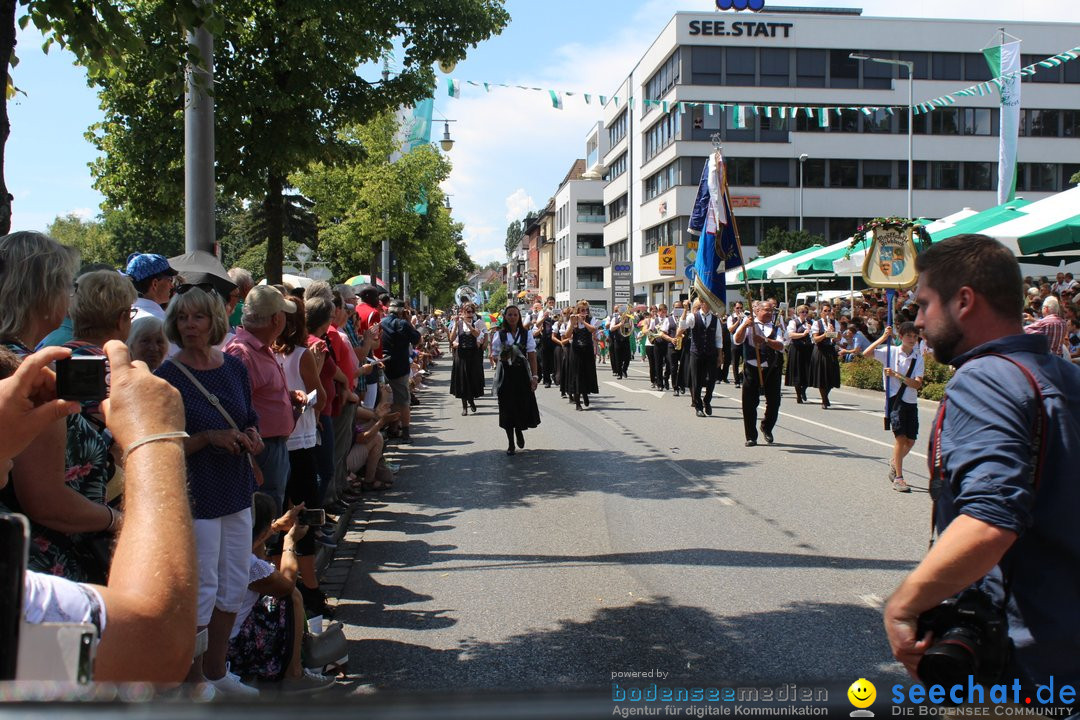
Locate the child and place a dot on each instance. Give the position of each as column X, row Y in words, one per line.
column 601, row 345
column 904, row 372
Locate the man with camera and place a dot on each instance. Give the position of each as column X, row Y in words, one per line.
column 999, row 590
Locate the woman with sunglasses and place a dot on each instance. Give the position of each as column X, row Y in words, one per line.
column 467, row 374
column 515, row 378
column 799, row 352
column 562, row 354
column 824, row 361
column 582, row 361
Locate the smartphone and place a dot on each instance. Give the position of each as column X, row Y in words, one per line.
column 81, row 378
column 14, row 534
column 311, row 518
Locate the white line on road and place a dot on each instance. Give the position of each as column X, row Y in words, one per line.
column 874, row 601
column 654, row 393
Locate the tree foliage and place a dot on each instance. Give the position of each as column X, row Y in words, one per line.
column 514, row 233
column 498, row 300
column 115, row 235
column 777, row 239
column 286, row 81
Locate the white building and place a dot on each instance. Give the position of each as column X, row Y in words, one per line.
column 580, row 258
column 784, row 170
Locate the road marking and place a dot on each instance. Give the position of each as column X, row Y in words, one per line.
column 654, row 393
column 874, row 601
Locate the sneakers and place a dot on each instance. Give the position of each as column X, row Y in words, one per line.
column 309, row 683
column 393, row 467
column 230, row 684
column 899, row 485
column 892, row 471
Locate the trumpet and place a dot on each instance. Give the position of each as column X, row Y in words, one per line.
column 627, row 327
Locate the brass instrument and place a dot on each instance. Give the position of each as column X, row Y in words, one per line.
column 627, row 327
column 678, row 343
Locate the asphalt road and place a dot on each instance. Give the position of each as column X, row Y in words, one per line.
column 631, row 537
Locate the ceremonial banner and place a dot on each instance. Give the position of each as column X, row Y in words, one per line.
column 890, row 260
column 1004, row 60
column 719, row 250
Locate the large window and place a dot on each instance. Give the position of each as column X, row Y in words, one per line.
column 876, row 174
column 741, row 65
column 774, row 129
column 980, row 176
column 707, row 66
column 1042, row 123
column 976, row 121
column 618, row 167
column 775, row 172
column 946, row 66
column 879, row 76
column 920, row 181
column 617, row 129
column 662, row 81
column 662, row 181
column 976, row 68
column 775, row 67
column 1070, row 124
column 879, row 121
column 590, row 278
column 616, row 208
column 945, row 175
column 813, row 170
column 662, row 134
column 619, row 252
column 810, row 68
column 667, row 233
column 843, row 71
column 945, row 121
column 590, row 212
column 740, row 171
column 590, row 246
column 1042, row 177
column 843, row 173
column 745, row 133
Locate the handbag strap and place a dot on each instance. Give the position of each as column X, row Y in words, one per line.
column 211, row 397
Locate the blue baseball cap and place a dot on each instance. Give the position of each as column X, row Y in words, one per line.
column 141, row 266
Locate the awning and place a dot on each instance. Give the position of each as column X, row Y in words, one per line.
column 761, row 272
column 1061, row 236
column 733, row 277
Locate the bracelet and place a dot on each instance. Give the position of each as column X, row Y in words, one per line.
column 112, row 519
column 175, row 435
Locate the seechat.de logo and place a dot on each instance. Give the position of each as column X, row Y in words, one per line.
column 755, row 5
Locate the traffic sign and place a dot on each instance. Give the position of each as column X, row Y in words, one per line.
column 666, row 259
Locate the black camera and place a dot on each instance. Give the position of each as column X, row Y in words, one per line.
column 971, row 637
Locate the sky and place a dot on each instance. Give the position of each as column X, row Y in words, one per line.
column 512, row 148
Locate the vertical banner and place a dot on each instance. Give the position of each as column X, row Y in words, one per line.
column 416, row 129
column 1005, row 60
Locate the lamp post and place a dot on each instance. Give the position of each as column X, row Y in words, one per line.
column 447, row 142
column 910, row 114
column 802, row 162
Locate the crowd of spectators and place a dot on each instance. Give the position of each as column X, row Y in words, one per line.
column 175, row 505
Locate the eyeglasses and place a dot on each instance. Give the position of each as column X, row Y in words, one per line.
column 132, row 312
column 204, row 286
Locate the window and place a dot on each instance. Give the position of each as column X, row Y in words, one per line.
column 707, row 66
column 741, row 64
column 878, row 122
column 590, row 246
column 975, row 67
column 1043, row 177
column 618, row 252
column 616, row 208
column 733, row 133
column 945, row 121
column 1070, row 124
column 976, row 121
column 810, row 68
column 980, row 176
column 843, row 173
column 702, row 119
column 1044, row 75
column 878, row 76
column 662, row 181
column 562, row 217
column 808, row 123
column 842, row 227
column 662, row 134
column 945, row 175
column 618, row 167
column 877, row 174
column 775, row 172
column 946, row 66
column 590, row 212
column 919, row 182
column 1072, row 72
column 848, row 121
column 692, row 170
column 1067, row 171
column 813, row 170
column 775, row 67
column 1042, row 123
column 667, row 233
column 740, row 171
column 922, row 65
column 843, row 71
column 773, row 129
column 617, row 129
column 665, row 78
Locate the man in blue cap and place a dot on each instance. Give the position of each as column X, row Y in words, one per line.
column 152, row 276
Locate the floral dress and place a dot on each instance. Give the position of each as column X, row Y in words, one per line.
column 87, row 467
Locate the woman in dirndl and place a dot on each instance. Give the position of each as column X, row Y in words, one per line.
column 799, row 352
column 467, row 375
column 582, row 364
column 515, row 378
column 824, row 363
column 562, row 351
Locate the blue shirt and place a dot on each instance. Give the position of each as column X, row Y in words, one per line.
column 219, row 482
column 987, row 457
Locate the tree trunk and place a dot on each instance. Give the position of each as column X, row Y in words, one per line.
column 275, row 229
column 7, row 47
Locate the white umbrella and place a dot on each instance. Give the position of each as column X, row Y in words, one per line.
column 293, row 281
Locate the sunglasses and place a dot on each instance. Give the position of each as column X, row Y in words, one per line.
column 204, row 286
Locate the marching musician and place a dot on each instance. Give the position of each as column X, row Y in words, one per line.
column 706, row 340
column 824, row 362
column 582, row 360
column 762, row 343
column 645, row 327
column 467, row 340
column 620, row 342
column 542, row 331
column 675, row 350
column 799, row 351
column 733, row 321
column 664, row 330
column 562, row 356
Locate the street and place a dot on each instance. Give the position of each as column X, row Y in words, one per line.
column 632, row 537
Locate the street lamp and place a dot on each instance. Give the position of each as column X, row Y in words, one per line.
column 910, row 114
column 447, row 142
column 802, row 162
column 446, row 203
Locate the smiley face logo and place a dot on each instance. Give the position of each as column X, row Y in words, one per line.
column 862, row 693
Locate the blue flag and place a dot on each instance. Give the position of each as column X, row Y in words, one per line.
column 719, row 249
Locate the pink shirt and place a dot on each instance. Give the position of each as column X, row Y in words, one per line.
column 269, row 391
column 1055, row 328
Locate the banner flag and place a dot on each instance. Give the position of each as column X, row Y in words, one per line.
column 1005, row 59
column 556, row 100
column 453, row 87
column 719, row 249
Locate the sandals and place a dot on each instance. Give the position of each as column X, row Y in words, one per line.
column 899, row 485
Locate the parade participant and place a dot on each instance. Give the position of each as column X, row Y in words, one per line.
column 620, row 342
column 733, row 321
column 799, row 351
column 665, row 328
column 676, row 349
column 546, row 354
column 646, row 330
column 726, row 351
column 467, row 375
column 706, row 341
column 1006, row 492
column 903, row 366
column 562, row 354
column 582, row 362
column 515, row 378
column 824, row 361
column 762, row 344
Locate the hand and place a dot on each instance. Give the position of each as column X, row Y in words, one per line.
column 298, row 398
column 231, row 441
column 254, row 441
column 28, row 401
column 352, row 397
column 139, row 404
column 286, row 522
column 888, row 331
column 533, row 383
column 901, row 626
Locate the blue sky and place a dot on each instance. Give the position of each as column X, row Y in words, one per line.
column 512, row 147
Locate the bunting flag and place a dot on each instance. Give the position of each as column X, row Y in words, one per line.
column 1005, row 60
column 556, row 100
column 719, row 249
column 453, row 87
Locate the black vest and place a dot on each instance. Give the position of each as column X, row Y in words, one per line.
column 703, row 339
column 466, row 340
column 805, row 340
column 546, row 326
column 768, row 356
column 522, row 340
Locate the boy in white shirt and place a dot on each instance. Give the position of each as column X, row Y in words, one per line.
column 903, row 369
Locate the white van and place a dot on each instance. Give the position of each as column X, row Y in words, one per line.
column 813, row 296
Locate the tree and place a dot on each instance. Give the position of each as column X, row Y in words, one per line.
column 498, row 300
column 101, row 38
column 514, row 233
column 115, row 235
column 286, row 80
column 777, row 239
column 1075, row 179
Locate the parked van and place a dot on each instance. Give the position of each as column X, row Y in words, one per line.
column 814, row 296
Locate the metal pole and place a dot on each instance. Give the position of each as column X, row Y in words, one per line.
column 386, row 263
column 802, row 163
column 199, row 231
column 910, row 137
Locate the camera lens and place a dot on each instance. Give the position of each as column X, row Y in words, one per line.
column 950, row 660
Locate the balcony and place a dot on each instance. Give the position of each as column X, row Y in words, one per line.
column 591, row 252
column 582, row 218
column 590, row 284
